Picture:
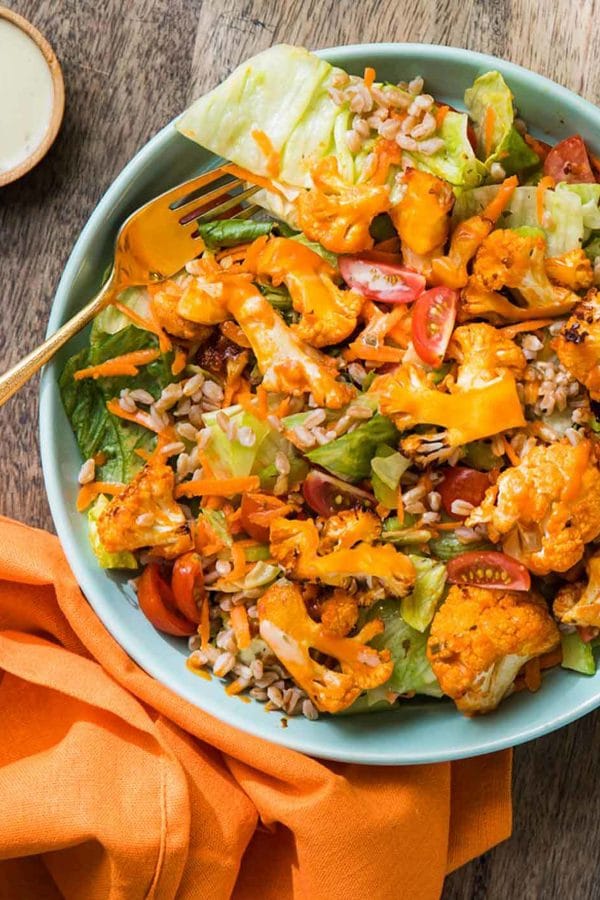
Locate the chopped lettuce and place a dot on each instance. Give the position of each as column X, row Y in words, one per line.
column 349, row 456
column 418, row 607
column 229, row 458
column 491, row 97
column 230, row 232
column 85, row 401
column 577, row 654
column 216, row 520
column 260, row 575
column 407, row 646
column 592, row 248
column 387, row 468
column 107, row 560
column 589, row 196
column 111, row 319
column 563, row 227
column 456, row 161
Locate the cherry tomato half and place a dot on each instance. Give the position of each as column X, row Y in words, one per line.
column 187, row 585
column 488, row 568
column 386, row 282
column 327, row 495
column 252, row 509
column 569, row 161
column 158, row 604
column 462, row 483
column 434, row 315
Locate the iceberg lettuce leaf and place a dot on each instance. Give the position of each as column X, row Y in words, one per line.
column 455, row 162
column 407, row 646
column 349, row 456
column 418, row 607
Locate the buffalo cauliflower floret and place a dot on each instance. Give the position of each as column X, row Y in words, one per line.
column 347, row 528
column 422, row 217
column 468, row 236
column 295, row 546
column 507, row 259
column 578, row 344
column 483, row 353
column 339, row 612
column 287, row 364
column 410, row 397
column 579, row 603
column 145, row 514
column 328, row 314
column 572, row 270
column 546, row 509
column 291, row 634
column 165, row 305
column 480, row 639
column 338, row 215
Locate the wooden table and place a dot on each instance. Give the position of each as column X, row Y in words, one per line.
column 130, row 66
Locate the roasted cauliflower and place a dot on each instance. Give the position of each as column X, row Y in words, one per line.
column 339, row 612
column 578, row 344
column 572, row 270
column 347, row 528
column 422, row 217
column 338, row 215
column 328, row 314
column 291, row 634
column 295, row 546
column 480, row 639
column 546, row 509
column 579, row 603
column 165, row 305
column 287, row 364
column 145, row 514
column 507, row 259
column 483, row 353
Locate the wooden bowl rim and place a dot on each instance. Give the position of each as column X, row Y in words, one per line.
column 58, row 103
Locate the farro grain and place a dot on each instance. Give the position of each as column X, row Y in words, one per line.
column 87, row 472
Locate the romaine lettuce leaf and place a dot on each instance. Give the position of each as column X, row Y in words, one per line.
column 107, row 560
column 85, row 402
column 349, row 456
column 388, row 467
column 564, row 227
column 506, row 146
column 407, row 646
column 418, row 607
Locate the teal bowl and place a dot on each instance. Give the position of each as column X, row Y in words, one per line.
column 419, row 731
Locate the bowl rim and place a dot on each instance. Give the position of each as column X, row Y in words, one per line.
column 480, row 743
column 58, row 98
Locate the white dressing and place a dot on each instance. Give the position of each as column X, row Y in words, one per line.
column 26, row 96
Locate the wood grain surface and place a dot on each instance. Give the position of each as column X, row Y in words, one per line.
column 129, row 67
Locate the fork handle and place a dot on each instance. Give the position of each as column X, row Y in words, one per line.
column 15, row 378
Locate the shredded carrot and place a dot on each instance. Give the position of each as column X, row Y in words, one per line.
column 211, row 502
column 89, row 492
column 164, row 341
column 531, row 325
column 533, row 678
column 235, row 367
column 100, row 458
column 218, row 487
column 540, row 147
column 238, row 252
column 284, row 407
column 488, row 128
column 140, row 417
column 510, row 452
column 143, row 454
column 266, row 147
column 400, row 506
column 497, row 206
column 374, row 354
column 447, row 526
column 206, row 539
column 369, row 76
column 245, row 175
column 180, row 361
column 266, row 516
column 551, row 659
column 246, row 543
column 545, row 184
column 440, row 114
column 241, row 626
column 234, row 333
column 385, row 154
column 262, row 402
column 127, row 364
column 206, row 464
column 138, row 320
column 238, row 558
column 382, row 511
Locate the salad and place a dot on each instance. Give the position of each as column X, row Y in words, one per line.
column 350, row 452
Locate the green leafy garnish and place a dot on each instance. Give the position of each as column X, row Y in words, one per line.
column 349, row 456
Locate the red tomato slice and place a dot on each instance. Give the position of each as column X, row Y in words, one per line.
column 462, row 483
column 253, row 504
column 327, row 495
column 487, row 568
column 187, row 585
column 158, row 604
column 434, row 315
column 386, row 282
column 569, row 161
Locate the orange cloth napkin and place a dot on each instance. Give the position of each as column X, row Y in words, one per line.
column 113, row 787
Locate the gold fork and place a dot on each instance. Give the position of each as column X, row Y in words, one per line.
column 152, row 244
